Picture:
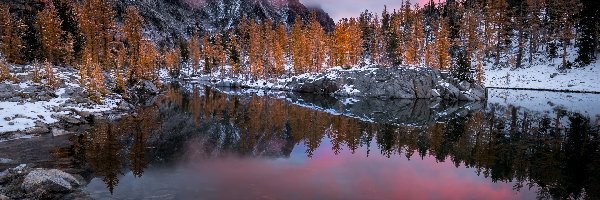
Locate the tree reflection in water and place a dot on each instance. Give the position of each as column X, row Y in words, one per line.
column 559, row 154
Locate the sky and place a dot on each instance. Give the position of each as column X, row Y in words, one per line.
column 339, row 9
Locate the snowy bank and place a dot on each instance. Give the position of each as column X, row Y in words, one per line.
column 28, row 108
column 546, row 77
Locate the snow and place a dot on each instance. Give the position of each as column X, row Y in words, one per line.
column 20, row 116
column 349, row 89
column 546, row 75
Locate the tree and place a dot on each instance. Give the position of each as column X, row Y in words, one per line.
column 5, row 71
column 133, row 35
column 499, row 26
column 12, row 32
column 316, row 43
column 234, row 53
column 36, row 72
column 442, row 45
column 588, row 29
column 49, row 25
column 96, row 21
column 298, row 46
column 279, row 48
column 194, row 47
column 149, row 60
column 51, row 80
column 120, row 57
column 173, row 62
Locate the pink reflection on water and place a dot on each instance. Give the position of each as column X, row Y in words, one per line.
column 348, row 176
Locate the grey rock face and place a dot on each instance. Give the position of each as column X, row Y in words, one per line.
column 389, row 83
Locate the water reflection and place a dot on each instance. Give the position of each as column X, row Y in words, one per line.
column 265, row 147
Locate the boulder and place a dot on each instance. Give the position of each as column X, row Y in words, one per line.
column 52, row 181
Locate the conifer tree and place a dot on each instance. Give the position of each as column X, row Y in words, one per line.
column 234, row 53
column 5, row 71
column 96, row 87
column 12, row 32
column 316, row 44
column 194, row 47
column 49, row 25
column 133, row 35
column 356, row 49
column 96, row 21
column 36, row 72
column 255, row 51
column 279, row 49
column 120, row 56
column 148, row 60
column 298, row 43
column 207, row 54
column 51, row 80
column 442, row 46
column 172, row 62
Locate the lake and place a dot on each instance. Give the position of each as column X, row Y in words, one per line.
column 204, row 143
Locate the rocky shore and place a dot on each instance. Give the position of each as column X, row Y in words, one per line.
column 375, row 82
column 34, row 110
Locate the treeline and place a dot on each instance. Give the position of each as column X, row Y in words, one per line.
column 455, row 36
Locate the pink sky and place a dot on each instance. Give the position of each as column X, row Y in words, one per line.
column 352, row 8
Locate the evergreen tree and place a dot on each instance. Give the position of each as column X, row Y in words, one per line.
column 588, row 29
column 194, row 48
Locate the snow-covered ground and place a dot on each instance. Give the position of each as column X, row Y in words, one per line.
column 19, row 116
column 547, row 77
column 23, row 114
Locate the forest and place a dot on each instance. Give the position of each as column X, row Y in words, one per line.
column 459, row 37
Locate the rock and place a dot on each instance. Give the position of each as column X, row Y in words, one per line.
column 85, row 114
column 149, row 87
column 58, row 132
column 37, row 130
column 67, row 119
column 53, row 181
column 143, row 92
column 3, row 197
column 123, row 105
column 6, row 161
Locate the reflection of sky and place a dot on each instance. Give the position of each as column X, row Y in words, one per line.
column 325, row 176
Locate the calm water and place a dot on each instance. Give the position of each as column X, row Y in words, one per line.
column 204, row 144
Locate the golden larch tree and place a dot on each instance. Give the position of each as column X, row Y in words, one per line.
column 52, row 81
column 133, row 35
column 442, row 46
column 298, row 44
column 50, row 31
column 11, row 32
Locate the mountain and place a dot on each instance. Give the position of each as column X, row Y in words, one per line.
column 168, row 19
